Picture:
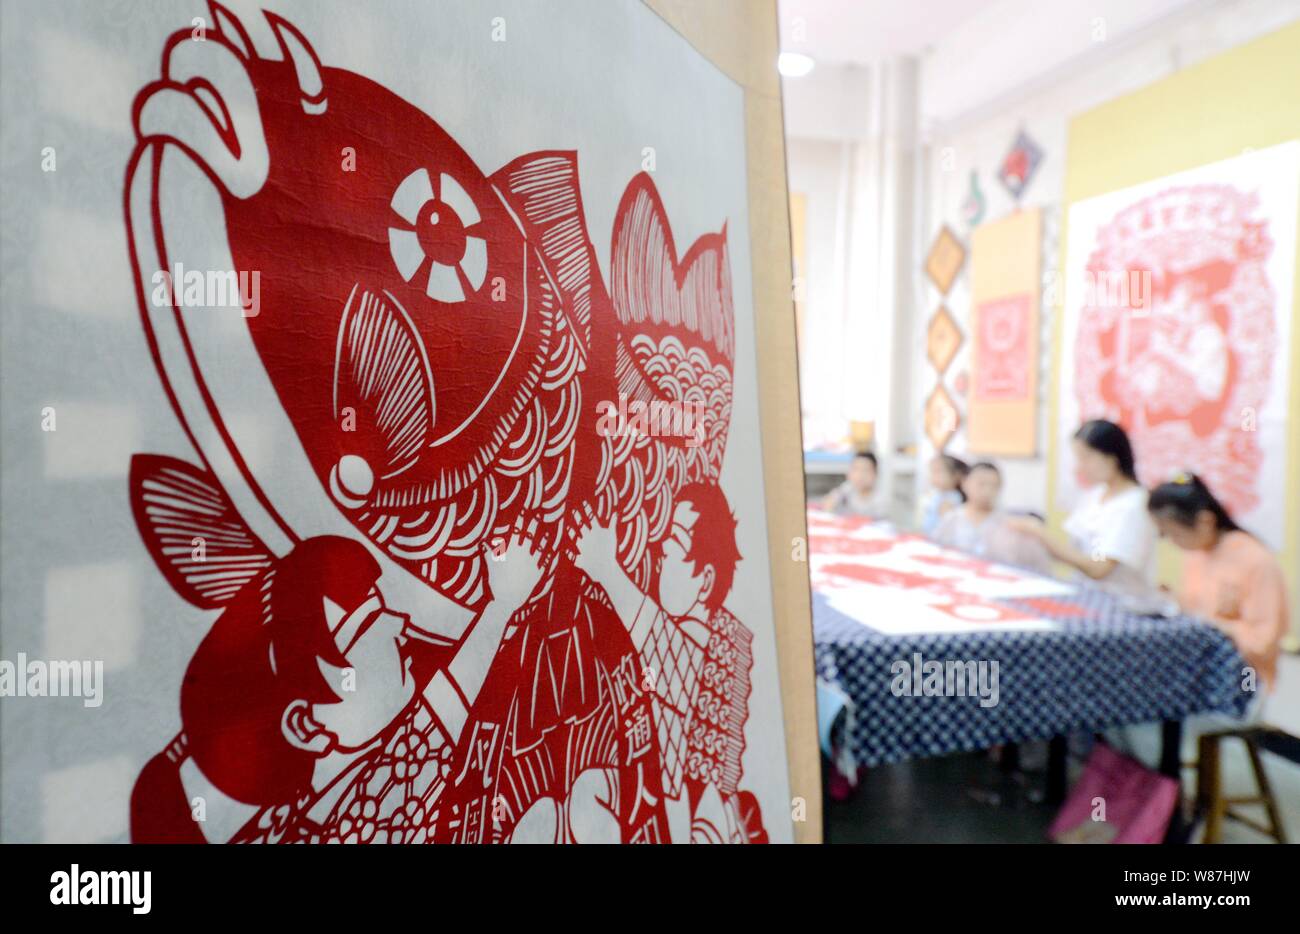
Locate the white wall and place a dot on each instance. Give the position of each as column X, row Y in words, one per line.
column 828, row 103
column 815, row 168
column 861, row 183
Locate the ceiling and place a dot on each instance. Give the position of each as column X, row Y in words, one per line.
column 864, row 31
column 972, row 52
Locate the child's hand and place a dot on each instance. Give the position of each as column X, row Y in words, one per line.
column 515, row 567
column 1027, row 525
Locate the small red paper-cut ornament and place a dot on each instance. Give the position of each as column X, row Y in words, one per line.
column 1020, row 164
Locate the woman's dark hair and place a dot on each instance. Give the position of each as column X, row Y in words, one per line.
column 984, row 465
column 868, row 455
column 1182, row 498
column 1108, row 438
column 956, row 466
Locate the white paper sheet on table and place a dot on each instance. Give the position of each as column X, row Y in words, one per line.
column 903, row 584
column 897, row 613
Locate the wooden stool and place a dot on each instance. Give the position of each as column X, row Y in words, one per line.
column 1210, row 800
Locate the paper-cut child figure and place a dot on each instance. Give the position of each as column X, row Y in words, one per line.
column 561, row 746
column 304, row 675
column 696, row 660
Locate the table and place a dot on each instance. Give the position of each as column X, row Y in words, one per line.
column 1069, row 659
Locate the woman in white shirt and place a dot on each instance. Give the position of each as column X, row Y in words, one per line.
column 1111, row 538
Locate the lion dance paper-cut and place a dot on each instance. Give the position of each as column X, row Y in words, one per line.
column 1182, row 355
column 465, row 605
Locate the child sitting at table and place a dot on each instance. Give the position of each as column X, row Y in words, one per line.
column 947, row 474
column 1231, row 580
column 857, row 495
column 1229, row 577
column 978, row 527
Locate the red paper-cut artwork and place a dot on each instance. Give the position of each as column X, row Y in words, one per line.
column 1189, row 352
column 1178, row 308
column 481, row 603
column 905, row 583
column 1002, row 349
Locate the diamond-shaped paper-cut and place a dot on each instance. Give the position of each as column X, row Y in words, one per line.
column 942, row 339
column 944, row 260
column 1020, row 165
column 941, row 418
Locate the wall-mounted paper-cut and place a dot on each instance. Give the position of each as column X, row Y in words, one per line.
column 474, row 499
column 972, row 209
column 1002, row 340
column 446, row 525
column 1020, row 165
column 1002, row 415
column 941, row 418
column 1178, row 326
column 943, row 339
column 944, row 260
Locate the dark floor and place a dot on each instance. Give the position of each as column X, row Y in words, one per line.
column 964, row 798
column 968, row 798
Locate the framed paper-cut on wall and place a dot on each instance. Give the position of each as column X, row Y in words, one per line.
column 1002, row 413
column 941, row 418
column 945, row 259
column 1181, row 330
column 413, row 404
column 942, row 339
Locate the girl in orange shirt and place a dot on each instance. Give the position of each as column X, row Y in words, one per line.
column 1229, row 577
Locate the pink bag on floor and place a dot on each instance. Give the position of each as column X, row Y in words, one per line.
column 1135, row 801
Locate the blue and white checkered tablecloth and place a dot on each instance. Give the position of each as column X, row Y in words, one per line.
column 1104, row 667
